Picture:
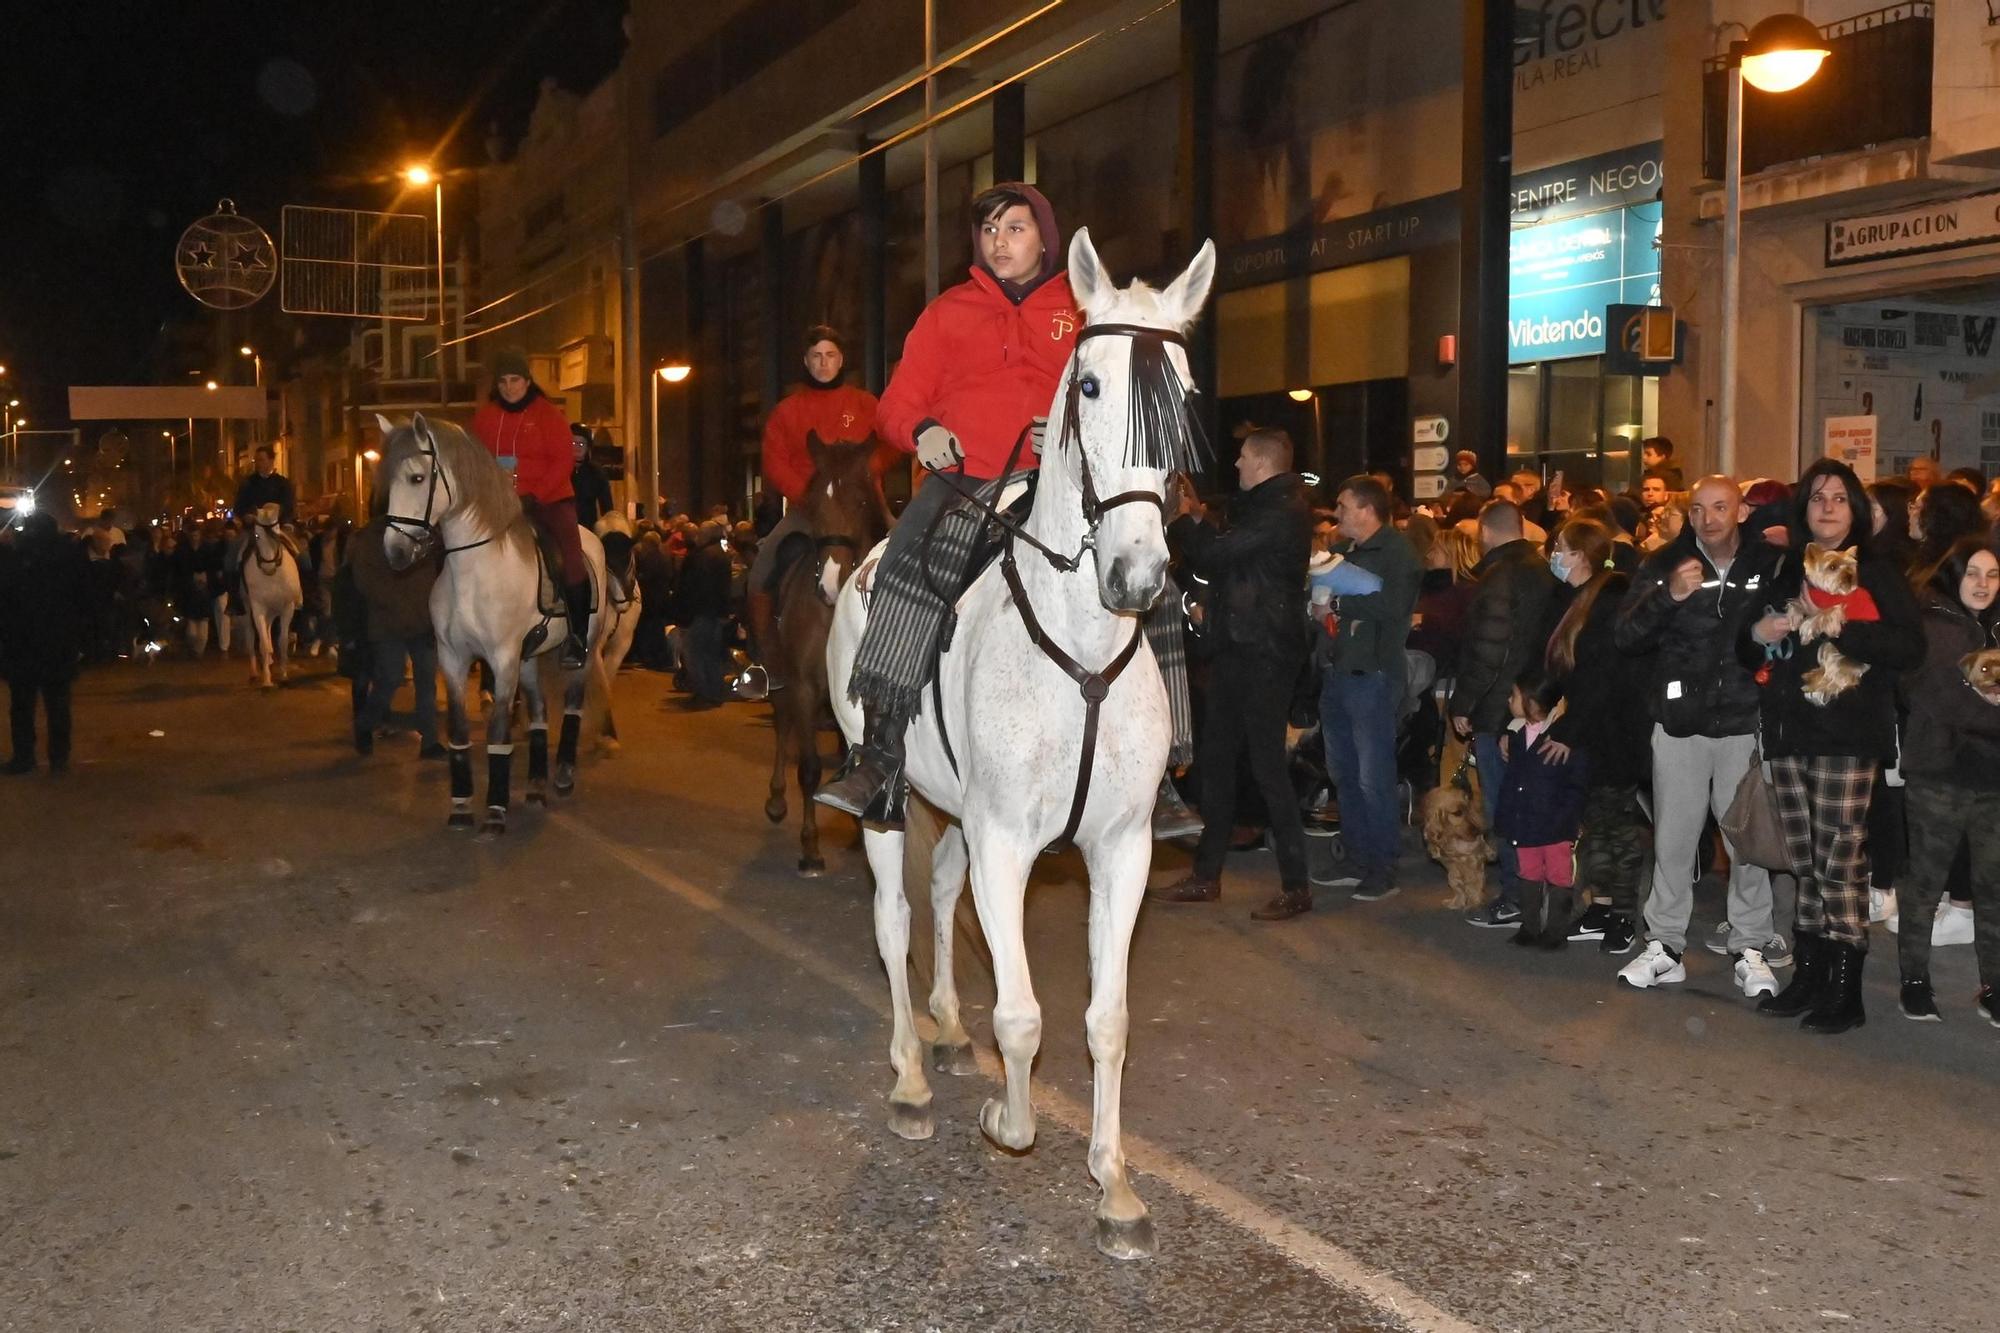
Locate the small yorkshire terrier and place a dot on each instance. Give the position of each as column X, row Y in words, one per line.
column 1832, row 596
column 1455, row 833
column 1982, row 672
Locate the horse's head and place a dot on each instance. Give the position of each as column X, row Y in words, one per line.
column 434, row 475
column 844, row 508
column 1121, row 425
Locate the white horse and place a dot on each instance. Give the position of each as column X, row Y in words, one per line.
column 622, row 607
column 271, row 593
column 1043, row 735
column 450, row 498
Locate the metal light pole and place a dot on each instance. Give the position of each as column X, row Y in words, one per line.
column 421, row 175
column 1781, row 53
column 673, row 372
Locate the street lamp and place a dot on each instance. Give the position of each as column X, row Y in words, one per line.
column 417, row 175
column 256, row 364
column 673, row 372
column 1781, row 53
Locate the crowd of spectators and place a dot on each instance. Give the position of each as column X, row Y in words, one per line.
column 1620, row 677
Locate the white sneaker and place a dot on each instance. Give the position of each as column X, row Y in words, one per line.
column 1655, row 967
column 1753, row 975
column 1953, row 924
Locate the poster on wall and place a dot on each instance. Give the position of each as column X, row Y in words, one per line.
column 1928, row 374
column 1852, row 441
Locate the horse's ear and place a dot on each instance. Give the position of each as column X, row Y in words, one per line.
column 1087, row 279
column 423, row 432
column 386, row 426
column 1185, row 295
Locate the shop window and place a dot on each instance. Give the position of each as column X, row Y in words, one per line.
column 1342, row 326
column 1569, row 416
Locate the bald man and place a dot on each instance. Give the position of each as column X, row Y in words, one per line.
column 1683, row 612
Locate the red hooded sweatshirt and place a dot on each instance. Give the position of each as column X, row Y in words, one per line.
column 835, row 412
column 533, row 438
column 983, row 362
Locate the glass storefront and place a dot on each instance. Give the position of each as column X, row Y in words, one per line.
column 1573, row 417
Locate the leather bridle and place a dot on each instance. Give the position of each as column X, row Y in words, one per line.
column 426, row 532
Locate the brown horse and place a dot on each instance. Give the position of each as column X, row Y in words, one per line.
column 847, row 516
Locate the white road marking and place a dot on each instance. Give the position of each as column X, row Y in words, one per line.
column 1301, row 1246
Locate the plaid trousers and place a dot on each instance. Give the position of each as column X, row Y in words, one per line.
column 1613, row 848
column 1823, row 806
column 899, row 647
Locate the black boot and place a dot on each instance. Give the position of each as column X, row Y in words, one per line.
column 1839, row 1007
column 576, row 602
column 1561, row 912
column 1534, row 911
column 870, row 784
column 1171, row 816
column 1809, row 958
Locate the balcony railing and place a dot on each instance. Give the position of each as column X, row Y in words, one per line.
column 1874, row 88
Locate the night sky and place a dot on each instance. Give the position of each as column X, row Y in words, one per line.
column 125, row 122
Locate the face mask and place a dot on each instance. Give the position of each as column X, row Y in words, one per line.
column 1559, row 566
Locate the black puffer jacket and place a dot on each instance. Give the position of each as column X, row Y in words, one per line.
column 1256, row 571
column 44, row 593
column 1695, row 684
column 1506, row 628
column 1952, row 735
column 1859, row 723
column 1602, row 714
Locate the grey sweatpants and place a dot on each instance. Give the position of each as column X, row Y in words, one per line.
column 1694, row 776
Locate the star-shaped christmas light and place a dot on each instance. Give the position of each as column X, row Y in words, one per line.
column 201, row 255
column 250, row 256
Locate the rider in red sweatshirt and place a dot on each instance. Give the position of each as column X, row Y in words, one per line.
column 531, row 438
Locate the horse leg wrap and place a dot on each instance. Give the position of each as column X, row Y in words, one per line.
column 499, row 772
column 566, row 747
column 538, row 754
column 461, row 772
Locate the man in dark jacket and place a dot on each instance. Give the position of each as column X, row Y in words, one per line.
column 593, row 489
column 1506, row 628
column 1256, row 629
column 704, row 604
column 265, row 486
column 44, row 590
column 1361, row 696
column 396, row 627
column 1686, row 605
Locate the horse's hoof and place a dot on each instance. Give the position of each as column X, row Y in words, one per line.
column 774, row 809
column 460, row 820
column 955, row 1060
column 536, row 796
column 565, row 781
column 992, row 1118
column 812, row 867
column 1127, row 1240
column 913, row 1121
column 495, row 825
column 608, row 744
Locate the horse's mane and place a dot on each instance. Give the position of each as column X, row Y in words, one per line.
column 852, row 463
column 480, row 487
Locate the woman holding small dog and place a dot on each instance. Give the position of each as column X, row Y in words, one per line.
column 1951, row 760
column 1838, row 624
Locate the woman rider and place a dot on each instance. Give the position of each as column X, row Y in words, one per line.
column 531, row 438
column 979, row 370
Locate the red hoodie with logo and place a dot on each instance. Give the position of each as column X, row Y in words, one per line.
column 533, row 441
column 837, row 413
column 983, row 365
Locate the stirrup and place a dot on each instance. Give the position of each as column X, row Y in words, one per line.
column 881, row 803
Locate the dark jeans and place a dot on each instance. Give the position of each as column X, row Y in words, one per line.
column 21, row 713
column 1946, row 817
column 701, row 640
column 386, row 673
column 1486, row 753
column 1248, row 699
column 1357, row 717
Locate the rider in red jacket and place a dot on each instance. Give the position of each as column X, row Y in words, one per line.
column 531, row 438
column 823, row 405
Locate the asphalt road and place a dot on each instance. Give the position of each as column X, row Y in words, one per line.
column 278, row 1052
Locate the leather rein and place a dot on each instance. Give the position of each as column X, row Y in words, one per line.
column 426, row 531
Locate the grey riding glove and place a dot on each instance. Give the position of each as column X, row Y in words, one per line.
column 937, row 448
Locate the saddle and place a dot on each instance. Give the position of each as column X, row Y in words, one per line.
column 548, row 589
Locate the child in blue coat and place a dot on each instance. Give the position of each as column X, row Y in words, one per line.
column 1541, row 810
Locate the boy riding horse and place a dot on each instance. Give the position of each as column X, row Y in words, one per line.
column 531, row 438
column 979, row 370
column 823, row 406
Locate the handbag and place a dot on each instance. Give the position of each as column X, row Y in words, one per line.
column 1756, row 834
